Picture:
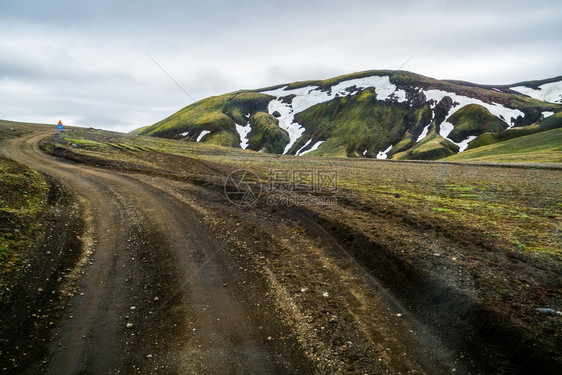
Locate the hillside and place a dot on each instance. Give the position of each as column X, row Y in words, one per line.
column 374, row 114
column 542, row 147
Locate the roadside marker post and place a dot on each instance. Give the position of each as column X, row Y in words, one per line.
column 60, row 127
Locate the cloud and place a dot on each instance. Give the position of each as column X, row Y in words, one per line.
column 87, row 61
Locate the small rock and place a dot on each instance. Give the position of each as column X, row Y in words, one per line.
column 129, row 325
column 269, row 338
column 436, row 254
column 156, row 298
column 507, row 296
column 133, row 307
column 149, row 356
column 326, row 294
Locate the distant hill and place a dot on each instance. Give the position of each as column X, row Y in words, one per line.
column 543, row 147
column 374, row 114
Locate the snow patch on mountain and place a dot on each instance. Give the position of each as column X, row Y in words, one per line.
column 508, row 115
column 184, row 134
column 464, row 144
column 383, row 154
column 243, row 133
column 446, row 128
column 546, row 114
column 425, row 130
column 423, row 133
column 203, row 133
column 309, row 96
column 287, row 121
column 549, row 92
column 383, row 87
column 400, row 96
column 314, row 147
column 303, row 147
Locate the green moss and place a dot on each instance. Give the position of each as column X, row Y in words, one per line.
column 244, row 103
column 356, row 123
column 552, row 122
column 460, row 188
column 469, row 196
column 545, row 146
column 218, row 115
column 266, row 134
column 192, row 117
column 223, row 138
column 520, row 245
column 332, row 147
column 483, row 140
column 85, row 143
column 432, row 147
column 23, row 196
column 439, row 209
column 473, row 120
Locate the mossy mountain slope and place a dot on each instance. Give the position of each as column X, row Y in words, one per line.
column 376, row 114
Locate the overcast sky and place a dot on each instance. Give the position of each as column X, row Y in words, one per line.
column 87, row 62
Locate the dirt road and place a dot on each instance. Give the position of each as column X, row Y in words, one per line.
column 153, row 294
column 172, row 278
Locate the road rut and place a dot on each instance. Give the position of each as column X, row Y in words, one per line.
column 152, row 281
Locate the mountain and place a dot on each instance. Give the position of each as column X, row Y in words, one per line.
column 377, row 114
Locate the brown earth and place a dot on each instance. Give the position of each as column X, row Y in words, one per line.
column 361, row 286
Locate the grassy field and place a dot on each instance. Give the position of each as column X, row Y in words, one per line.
column 23, row 197
column 516, row 204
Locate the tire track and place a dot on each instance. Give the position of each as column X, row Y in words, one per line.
column 130, row 217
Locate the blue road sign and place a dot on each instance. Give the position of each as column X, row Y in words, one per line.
column 59, row 127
